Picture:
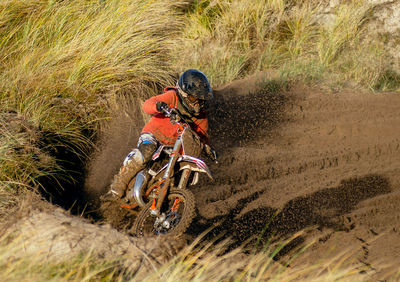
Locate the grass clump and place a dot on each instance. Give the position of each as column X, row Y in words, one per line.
column 201, row 261
column 232, row 39
column 84, row 267
column 62, row 64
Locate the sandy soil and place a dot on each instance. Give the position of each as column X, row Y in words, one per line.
column 308, row 158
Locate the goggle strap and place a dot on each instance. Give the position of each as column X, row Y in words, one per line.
column 183, row 93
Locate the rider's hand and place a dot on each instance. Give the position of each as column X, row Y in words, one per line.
column 160, row 106
column 211, row 153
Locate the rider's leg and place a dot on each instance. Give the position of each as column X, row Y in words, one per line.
column 133, row 163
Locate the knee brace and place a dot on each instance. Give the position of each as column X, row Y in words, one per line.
column 147, row 145
column 147, row 150
column 134, row 156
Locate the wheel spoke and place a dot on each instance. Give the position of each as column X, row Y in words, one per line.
column 174, row 221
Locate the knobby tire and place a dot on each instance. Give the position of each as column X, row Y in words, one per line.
column 187, row 215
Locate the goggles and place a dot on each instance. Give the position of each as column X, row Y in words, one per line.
column 190, row 98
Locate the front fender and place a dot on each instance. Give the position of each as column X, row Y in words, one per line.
column 194, row 164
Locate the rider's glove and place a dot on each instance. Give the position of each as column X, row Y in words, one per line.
column 211, row 153
column 161, row 106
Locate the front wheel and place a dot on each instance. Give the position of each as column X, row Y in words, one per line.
column 176, row 216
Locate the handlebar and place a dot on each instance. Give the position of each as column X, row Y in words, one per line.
column 169, row 111
column 172, row 113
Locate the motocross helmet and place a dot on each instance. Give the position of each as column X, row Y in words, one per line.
column 193, row 90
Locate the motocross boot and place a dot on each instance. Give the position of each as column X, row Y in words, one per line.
column 133, row 163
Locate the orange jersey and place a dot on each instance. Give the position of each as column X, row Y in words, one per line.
column 160, row 125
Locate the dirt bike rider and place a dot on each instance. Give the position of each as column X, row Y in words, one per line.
column 188, row 97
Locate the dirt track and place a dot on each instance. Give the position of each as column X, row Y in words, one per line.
column 313, row 158
column 329, row 160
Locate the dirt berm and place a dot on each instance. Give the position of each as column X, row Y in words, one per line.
column 299, row 158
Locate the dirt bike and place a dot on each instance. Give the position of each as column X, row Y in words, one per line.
column 160, row 190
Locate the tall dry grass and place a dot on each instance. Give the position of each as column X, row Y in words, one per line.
column 201, row 261
column 211, row 262
column 232, row 39
column 61, row 65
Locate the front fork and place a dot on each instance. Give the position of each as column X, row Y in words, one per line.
column 165, row 181
column 182, row 184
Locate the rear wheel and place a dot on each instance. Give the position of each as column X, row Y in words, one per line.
column 173, row 222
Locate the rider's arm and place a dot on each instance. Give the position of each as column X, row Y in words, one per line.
column 149, row 105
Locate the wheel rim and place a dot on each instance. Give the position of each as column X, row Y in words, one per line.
column 166, row 222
